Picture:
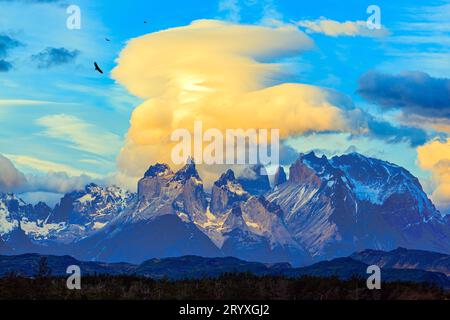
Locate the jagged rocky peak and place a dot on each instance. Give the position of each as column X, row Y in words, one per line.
column 301, row 172
column 42, row 211
column 193, row 196
column 91, row 187
column 225, row 192
column 254, row 179
column 226, row 177
column 158, row 170
column 11, row 201
column 164, row 192
column 187, row 172
column 150, row 185
column 87, row 210
column 322, row 165
column 280, row 177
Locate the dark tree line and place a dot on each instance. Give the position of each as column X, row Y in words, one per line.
column 228, row 286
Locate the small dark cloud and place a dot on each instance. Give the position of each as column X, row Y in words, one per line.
column 5, row 66
column 413, row 92
column 6, row 44
column 52, row 57
column 393, row 134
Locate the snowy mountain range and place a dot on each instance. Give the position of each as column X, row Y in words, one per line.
column 322, row 209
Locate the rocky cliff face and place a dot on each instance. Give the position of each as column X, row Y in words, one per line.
column 225, row 192
column 161, row 222
column 280, row 177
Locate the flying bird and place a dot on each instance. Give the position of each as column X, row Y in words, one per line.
column 107, row 39
column 97, row 68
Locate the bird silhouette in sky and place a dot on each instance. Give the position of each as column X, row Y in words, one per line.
column 107, row 39
column 97, row 68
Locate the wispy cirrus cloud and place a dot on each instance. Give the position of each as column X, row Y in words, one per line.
column 36, row 164
column 420, row 38
column 26, row 102
column 231, row 8
column 237, row 10
column 79, row 134
column 334, row 28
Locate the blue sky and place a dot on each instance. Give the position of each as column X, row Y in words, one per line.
column 57, row 114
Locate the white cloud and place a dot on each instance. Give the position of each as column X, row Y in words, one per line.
column 10, row 178
column 231, row 8
column 56, row 182
column 81, row 135
column 53, row 179
column 50, row 198
column 271, row 15
column 24, row 161
column 24, row 102
column 334, row 28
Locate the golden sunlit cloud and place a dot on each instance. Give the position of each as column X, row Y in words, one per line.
column 435, row 157
column 219, row 73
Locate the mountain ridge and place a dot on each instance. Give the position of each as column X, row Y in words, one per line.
column 197, row 267
column 325, row 208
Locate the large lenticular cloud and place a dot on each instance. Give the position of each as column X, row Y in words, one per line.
column 219, row 73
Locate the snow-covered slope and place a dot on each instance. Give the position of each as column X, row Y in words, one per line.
column 336, row 206
column 18, row 217
column 78, row 214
